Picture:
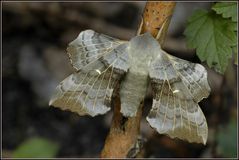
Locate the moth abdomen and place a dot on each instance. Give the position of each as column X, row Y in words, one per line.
column 132, row 93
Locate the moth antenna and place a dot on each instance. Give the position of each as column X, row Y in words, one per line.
column 160, row 32
column 140, row 26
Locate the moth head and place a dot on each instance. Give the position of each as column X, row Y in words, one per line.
column 144, row 47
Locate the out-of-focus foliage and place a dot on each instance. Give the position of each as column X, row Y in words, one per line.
column 36, row 148
column 213, row 36
column 227, row 9
column 236, row 54
column 226, row 138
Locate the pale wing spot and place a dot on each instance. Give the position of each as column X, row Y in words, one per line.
column 98, row 71
column 176, row 91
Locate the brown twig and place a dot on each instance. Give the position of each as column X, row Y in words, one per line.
column 124, row 131
column 156, row 18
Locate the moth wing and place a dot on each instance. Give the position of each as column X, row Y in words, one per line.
column 178, row 86
column 90, row 46
column 89, row 90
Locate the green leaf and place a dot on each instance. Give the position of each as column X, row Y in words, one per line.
column 213, row 38
column 227, row 9
column 234, row 48
column 234, row 26
column 227, row 140
column 36, row 148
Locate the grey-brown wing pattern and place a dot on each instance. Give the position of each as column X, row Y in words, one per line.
column 89, row 46
column 89, row 90
column 178, row 86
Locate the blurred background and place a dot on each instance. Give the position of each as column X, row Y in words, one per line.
column 35, row 36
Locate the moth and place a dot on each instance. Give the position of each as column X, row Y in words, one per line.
column 101, row 62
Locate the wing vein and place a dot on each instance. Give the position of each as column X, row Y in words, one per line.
column 167, row 99
column 160, row 97
column 181, row 115
column 182, row 80
column 174, row 114
column 97, row 79
column 109, row 81
column 83, row 91
column 98, row 90
column 188, row 117
column 67, row 101
column 193, row 80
